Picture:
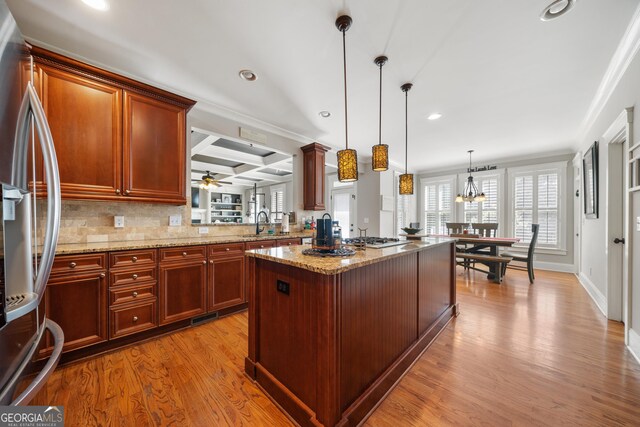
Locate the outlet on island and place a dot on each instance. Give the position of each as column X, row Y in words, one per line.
column 282, row 287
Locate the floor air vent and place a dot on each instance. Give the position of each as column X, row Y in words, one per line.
column 203, row 319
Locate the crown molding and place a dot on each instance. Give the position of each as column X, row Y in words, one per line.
column 622, row 58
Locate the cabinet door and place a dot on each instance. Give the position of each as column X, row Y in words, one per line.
column 154, row 150
column 85, row 117
column 260, row 244
column 182, row 290
column 79, row 305
column 226, row 282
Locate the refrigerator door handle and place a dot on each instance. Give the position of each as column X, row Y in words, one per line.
column 29, row 393
column 31, row 106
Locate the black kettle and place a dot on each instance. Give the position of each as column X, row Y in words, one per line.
column 324, row 234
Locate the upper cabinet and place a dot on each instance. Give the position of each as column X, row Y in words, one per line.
column 115, row 138
column 313, row 184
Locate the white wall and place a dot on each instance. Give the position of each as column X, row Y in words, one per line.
column 594, row 245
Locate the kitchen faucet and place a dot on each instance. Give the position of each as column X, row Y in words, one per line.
column 258, row 229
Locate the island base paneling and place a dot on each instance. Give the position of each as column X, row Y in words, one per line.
column 328, row 347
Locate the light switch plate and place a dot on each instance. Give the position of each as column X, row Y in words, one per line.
column 366, row 220
column 175, row 220
column 203, row 230
column 638, row 223
column 118, row 221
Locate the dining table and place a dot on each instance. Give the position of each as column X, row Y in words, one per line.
column 481, row 244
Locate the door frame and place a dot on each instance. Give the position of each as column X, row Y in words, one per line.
column 577, row 209
column 617, row 139
column 352, row 191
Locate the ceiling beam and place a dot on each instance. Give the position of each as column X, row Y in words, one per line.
column 233, row 155
column 202, row 145
column 202, row 166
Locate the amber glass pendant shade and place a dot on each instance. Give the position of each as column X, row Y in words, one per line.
column 347, row 165
column 380, row 157
column 406, row 183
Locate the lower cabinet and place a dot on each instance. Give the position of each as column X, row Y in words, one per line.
column 183, row 284
column 78, row 303
column 226, row 282
column 127, row 319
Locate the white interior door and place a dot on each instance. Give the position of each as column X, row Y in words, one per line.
column 577, row 211
column 343, row 209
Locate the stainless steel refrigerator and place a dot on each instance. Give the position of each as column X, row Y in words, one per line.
column 27, row 252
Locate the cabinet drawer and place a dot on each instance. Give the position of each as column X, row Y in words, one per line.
column 183, row 253
column 288, row 242
column 132, row 293
column 226, row 249
column 133, row 276
column 78, row 263
column 130, row 319
column 260, row 244
column 132, row 258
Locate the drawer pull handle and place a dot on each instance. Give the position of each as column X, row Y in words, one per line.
column 72, row 264
column 227, row 249
column 135, row 318
column 117, row 191
column 134, row 258
column 135, row 294
column 135, row 276
column 102, row 275
column 184, row 254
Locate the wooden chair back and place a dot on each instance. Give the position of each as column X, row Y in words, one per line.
column 456, row 227
column 485, row 229
column 534, row 238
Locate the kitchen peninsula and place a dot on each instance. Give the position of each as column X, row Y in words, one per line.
column 328, row 337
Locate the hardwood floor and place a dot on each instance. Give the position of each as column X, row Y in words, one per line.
column 516, row 355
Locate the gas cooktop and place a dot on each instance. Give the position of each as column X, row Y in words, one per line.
column 375, row 242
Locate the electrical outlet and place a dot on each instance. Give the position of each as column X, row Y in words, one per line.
column 282, row 287
column 175, row 220
column 203, row 230
column 118, row 221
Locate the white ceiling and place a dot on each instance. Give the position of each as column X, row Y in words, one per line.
column 507, row 83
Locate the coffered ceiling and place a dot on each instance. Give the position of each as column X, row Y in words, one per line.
column 506, row 83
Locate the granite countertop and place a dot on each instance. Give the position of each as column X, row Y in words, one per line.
column 78, row 248
column 292, row 255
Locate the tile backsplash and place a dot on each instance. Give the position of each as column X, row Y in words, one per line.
column 88, row 222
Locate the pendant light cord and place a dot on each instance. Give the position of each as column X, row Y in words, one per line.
column 344, row 57
column 380, row 114
column 406, row 129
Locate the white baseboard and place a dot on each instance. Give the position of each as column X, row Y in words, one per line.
column 634, row 344
column 554, row 266
column 594, row 293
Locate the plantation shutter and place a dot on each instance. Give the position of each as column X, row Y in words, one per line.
column 523, row 202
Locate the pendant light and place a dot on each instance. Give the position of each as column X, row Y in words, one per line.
column 471, row 193
column 406, row 179
column 347, row 158
column 380, row 152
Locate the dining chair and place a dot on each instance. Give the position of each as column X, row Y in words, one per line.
column 456, row 227
column 528, row 259
column 485, row 229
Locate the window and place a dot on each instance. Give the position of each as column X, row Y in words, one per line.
column 277, row 203
column 537, row 200
column 252, row 206
column 487, row 211
column 402, row 211
column 438, row 205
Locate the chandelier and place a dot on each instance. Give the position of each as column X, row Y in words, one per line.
column 471, row 193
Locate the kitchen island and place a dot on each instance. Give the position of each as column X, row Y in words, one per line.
column 329, row 337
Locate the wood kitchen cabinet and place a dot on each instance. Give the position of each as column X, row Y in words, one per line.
column 115, row 138
column 225, row 287
column 288, row 242
column 260, row 244
column 313, row 176
column 76, row 299
column 183, row 283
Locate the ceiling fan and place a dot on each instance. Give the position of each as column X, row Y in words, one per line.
column 208, row 182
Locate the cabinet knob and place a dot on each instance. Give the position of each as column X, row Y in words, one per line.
column 117, row 191
column 261, row 246
column 204, row 262
column 102, row 275
column 134, row 258
column 135, row 318
column 210, row 261
column 184, row 254
column 289, row 244
column 127, row 192
column 135, row 276
column 72, row 264
column 227, row 249
column 135, row 294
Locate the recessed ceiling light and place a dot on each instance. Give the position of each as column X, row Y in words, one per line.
column 248, row 75
column 434, row 116
column 324, row 114
column 556, row 9
column 101, row 5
